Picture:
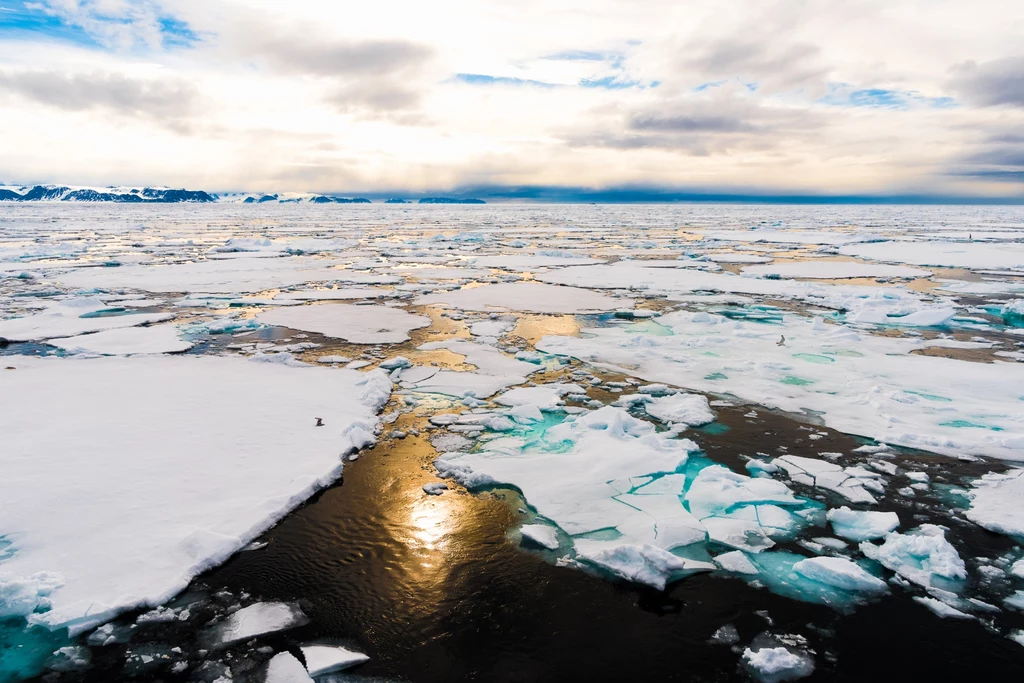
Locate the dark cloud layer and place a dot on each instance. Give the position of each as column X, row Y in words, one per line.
column 999, row 82
column 166, row 101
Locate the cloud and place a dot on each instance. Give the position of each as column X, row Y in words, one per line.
column 165, row 101
column 994, row 83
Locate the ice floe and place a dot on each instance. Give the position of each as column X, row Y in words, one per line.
column 922, row 555
column 169, row 463
column 127, row 341
column 854, row 382
column 325, row 659
column 255, row 620
column 997, row 502
column 534, row 297
column 356, row 324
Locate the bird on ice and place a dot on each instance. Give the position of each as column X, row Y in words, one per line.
column 319, row 422
column 782, row 341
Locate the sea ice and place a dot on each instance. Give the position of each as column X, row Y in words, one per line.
column 526, row 296
column 126, row 341
column 776, row 664
column 684, row 409
column 168, row 482
column 997, row 502
column 325, row 659
column 861, row 525
column 840, row 573
column 855, row 382
column 285, row 668
column 65, row 319
column 834, row 270
column 922, row 555
column 541, row 534
column 254, row 620
column 356, row 324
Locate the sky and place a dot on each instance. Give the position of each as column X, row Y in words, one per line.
column 815, row 97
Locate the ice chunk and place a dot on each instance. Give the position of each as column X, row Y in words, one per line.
column 643, row 563
column 544, row 397
column 997, row 502
column 541, row 534
column 20, row 597
column 839, row 572
column 126, row 341
column 395, row 363
column 285, row 668
column 356, row 324
column 942, row 609
column 849, row 482
column 255, row 620
column 922, row 555
column 435, row 488
column 859, row 525
column 775, row 664
column 535, row 297
column 324, row 659
column 735, row 561
column 687, row 409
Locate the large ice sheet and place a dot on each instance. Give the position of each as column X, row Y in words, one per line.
column 997, row 502
column 356, row 324
column 127, row 341
column 535, row 297
column 855, row 382
column 976, row 255
column 129, row 476
column 237, row 275
column 834, row 270
column 65, row 319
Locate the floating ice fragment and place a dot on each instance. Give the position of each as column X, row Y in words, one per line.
column 922, row 555
column 735, row 561
column 255, row 620
column 435, row 488
column 643, row 563
column 997, row 502
column 541, row 534
column 839, row 572
column 859, row 525
column 688, row 409
column 941, row 609
column 284, row 668
column 21, row 596
column 324, row 659
column 776, row 664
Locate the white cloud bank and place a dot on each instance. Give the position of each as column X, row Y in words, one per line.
column 903, row 96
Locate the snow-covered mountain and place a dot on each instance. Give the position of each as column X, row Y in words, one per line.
column 167, row 195
column 132, row 195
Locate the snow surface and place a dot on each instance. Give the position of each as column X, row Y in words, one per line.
column 839, row 572
column 126, row 341
column 255, row 620
column 325, row 659
column 285, row 668
column 64, row 319
column 685, row 409
column 533, row 297
column 862, row 525
column 855, row 382
column 166, row 482
column 356, row 324
column 833, row 270
column 974, row 255
column 541, row 534
column 997, row 502
column 922, row 555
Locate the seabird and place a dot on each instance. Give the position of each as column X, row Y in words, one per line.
column 782, row 341
column 319, row 422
